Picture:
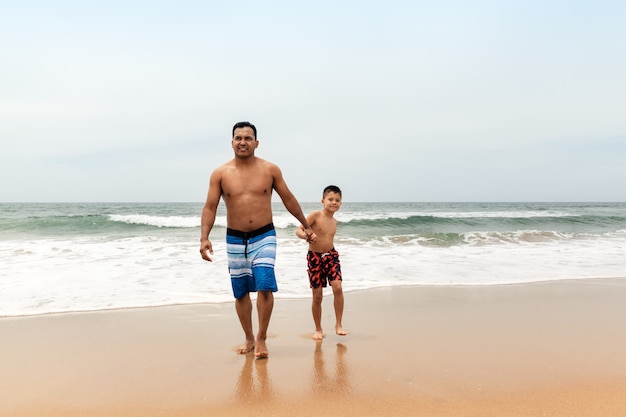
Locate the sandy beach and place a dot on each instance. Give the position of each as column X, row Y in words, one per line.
column 543, row 349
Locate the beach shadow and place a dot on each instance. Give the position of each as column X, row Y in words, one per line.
column 254, row 384
column 336, row 383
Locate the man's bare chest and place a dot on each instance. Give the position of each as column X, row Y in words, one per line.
column 247, row 184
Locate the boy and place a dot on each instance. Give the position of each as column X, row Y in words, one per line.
column 323, row 259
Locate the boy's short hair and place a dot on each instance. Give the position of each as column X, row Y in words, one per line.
column 239, row 125
column 331, row 189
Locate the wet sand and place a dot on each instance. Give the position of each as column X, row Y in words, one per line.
column 554, row 349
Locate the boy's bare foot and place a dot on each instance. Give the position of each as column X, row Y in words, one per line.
column 340, row 331
column 245, row 348
column 318, row 335
column 261, row 350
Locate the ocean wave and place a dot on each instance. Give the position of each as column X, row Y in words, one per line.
column 478, row 238
column 485, row 222
column 519, row 237
column 533, row 214
column 376, row 222
column 157, row 221
column 53, row 224
column 284, row 220
column 360, row 220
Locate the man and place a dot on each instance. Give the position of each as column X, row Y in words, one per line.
column 246, row 183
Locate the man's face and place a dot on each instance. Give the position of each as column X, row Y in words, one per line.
column 244, row 142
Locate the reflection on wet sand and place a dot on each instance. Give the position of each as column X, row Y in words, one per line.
column 335, row 383
column 254, row 385
column 250, row 389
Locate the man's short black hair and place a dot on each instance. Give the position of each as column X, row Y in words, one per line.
column 239, row 125
column 333, row 189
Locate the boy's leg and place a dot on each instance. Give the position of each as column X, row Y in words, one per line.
column 338, row 303
column 243, row 306
column 316, row 309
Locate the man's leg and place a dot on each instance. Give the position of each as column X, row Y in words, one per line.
column 316, row 309
column 243, row 306
column 264, row 306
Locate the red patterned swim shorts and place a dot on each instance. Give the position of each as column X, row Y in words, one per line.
column 323, row 267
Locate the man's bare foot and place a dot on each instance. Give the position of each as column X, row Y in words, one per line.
column 340, row 331
column 245, row 348
column 261, row 350
column 318, row 335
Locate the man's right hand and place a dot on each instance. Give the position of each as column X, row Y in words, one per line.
column 205, row 245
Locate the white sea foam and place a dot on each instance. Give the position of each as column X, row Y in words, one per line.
column 403, row 215
column 43, row 276
column 499, row 214
column 284, row 220
column 158, row 221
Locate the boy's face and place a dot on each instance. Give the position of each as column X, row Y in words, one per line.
column 331, row 201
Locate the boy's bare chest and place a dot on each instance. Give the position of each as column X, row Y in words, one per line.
column 325, row 226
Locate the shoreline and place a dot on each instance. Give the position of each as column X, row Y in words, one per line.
column 307, row 297
column 551, row 347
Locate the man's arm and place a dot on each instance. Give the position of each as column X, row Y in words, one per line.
column 208, row 214
column 311, row 220
column 291, row 204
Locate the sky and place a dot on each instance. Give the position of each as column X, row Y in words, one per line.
column 124, row 101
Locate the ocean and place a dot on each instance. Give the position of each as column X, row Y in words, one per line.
column 64, row 257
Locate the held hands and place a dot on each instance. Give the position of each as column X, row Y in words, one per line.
column 310, row 237
column 205, row 245
column 306, row 234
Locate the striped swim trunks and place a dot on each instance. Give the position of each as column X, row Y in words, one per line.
column 251, row 258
